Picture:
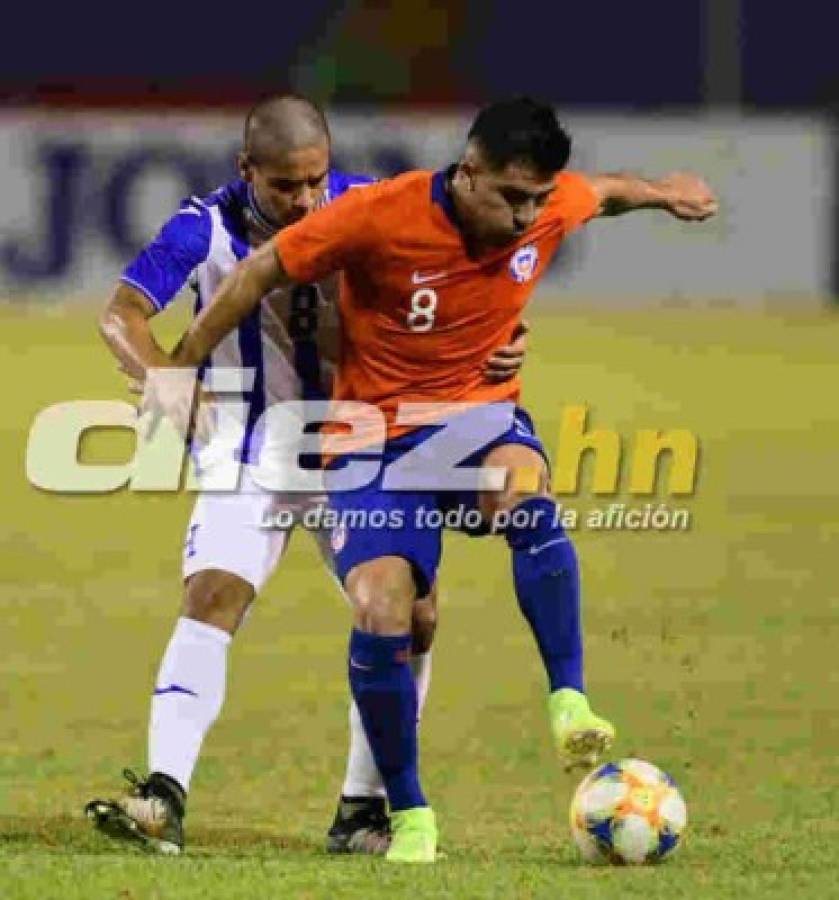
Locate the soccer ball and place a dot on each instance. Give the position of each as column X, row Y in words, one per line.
column 627, row 812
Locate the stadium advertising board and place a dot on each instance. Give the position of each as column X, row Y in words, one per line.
column 83, row 192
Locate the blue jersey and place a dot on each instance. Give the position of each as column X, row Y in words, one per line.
column 287, row 345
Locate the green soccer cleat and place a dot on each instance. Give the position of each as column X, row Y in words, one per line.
column 149, row 816
column 414, row 837
column 581, row 736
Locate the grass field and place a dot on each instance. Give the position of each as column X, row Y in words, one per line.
column 714, row 650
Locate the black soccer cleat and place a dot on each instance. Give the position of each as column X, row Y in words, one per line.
column 150, row 815
column 361, row 826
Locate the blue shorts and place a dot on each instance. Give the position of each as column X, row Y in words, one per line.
column 381, row 519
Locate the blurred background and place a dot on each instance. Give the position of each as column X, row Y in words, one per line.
column 105, row 127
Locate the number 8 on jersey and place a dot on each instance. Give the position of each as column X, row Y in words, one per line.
column 423, row 308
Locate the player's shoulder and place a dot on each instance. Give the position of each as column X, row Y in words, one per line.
column 340, row 182
column 416, row 182
column 194, row 211
column 229, row 197
column 382, row 200
column 227, row 210
column 400, row 192
column 574, row 198
column 572, row 188
column 190, row 226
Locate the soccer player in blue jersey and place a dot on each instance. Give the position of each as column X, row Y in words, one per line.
column 288, row 346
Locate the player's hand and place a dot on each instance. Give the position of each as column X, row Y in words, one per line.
column 506, row 362
column 136, row 383
column 687, row 197
column 175, row 395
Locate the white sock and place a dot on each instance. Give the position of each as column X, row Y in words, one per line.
column 363, row 778
column 188, row 696
column 421, row 667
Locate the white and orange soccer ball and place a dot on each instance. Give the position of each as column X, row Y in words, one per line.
column 627, row 812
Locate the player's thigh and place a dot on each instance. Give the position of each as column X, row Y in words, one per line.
column 527, row 476
column 372, row 523
column 237, row 533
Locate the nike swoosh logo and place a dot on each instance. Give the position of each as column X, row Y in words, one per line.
column 416, row 278
column 174, row 689
column 356, row 665
column 540, row 547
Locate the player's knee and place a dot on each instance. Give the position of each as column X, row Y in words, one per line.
column 217, row 598
column 527, row 478
column 382, row 592
column 423, row 625
column 534, row 528
column 508, row 500
column 510, row 510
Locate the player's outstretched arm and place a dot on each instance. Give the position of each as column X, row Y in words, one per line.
column 683, row 194
column 125, row 327
column 237, row 295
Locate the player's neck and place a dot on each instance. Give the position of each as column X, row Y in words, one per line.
column 474, row 248
column 261, row 226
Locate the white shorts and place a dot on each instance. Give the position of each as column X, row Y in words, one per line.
column 228, row 531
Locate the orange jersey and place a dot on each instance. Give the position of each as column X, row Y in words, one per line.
column 419, row 317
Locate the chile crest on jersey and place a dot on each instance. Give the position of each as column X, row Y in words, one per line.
column 523, row 263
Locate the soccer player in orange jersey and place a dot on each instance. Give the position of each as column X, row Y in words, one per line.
column 437, row 269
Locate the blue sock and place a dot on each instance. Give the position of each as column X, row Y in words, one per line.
column 386, row 696
column 548, row 589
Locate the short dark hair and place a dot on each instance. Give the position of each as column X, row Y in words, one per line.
column 521, row 130
column 285, row 122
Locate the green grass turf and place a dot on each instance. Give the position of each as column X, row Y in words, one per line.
column 714, row 650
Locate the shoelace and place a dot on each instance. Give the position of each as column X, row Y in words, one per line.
column 139, row 786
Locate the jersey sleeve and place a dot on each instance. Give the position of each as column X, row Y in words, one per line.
column 340, row 182
column 576, row 201
column 331, row 238
column 162, row 268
